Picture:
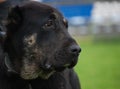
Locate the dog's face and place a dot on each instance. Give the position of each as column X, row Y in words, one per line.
column 38, row 42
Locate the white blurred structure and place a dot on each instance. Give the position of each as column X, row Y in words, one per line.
column 77, row 21
column 104, row 11
column 106, row 17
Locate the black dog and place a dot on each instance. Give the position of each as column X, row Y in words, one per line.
column 40, row 53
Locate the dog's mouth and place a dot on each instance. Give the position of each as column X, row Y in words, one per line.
column 33, row 70
column 49, row 69
column 65, row 66
column 67, row 62
column 73, row 62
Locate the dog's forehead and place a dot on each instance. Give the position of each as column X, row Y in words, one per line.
column 39, row 8
column 38, row 13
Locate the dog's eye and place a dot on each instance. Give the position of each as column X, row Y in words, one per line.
column 49, row 23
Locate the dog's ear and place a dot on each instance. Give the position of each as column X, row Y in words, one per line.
column 14, row 19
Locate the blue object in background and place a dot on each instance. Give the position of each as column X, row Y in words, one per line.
column 76, row 10
column 76, row 14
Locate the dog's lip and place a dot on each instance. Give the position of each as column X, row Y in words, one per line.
column 73, row 62
column 45, row 74
column 59, row 69
column 76, row 55
column 53, row 68
column 47, row 68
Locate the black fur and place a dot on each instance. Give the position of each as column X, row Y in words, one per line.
column 39, row 52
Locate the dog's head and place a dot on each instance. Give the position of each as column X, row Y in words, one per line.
column 38, row 42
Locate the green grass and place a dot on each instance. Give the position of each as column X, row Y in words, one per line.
column 99, row 65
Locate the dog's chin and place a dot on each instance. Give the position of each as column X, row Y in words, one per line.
column 73, row 63
column 45, row 74
column 68, row 65
column 41, row 74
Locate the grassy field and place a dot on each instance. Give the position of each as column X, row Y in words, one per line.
column 99, row 64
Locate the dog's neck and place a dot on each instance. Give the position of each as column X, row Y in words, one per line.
column 10, row 69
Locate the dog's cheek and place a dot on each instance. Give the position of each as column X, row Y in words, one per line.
column 61, row 55
column 30, row 63
column 29, row 70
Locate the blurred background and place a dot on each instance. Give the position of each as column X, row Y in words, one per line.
column 95, row 24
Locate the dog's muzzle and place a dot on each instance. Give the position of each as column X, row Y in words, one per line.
column 70, row 59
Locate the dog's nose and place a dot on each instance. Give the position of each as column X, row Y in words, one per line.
column 75, row 49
